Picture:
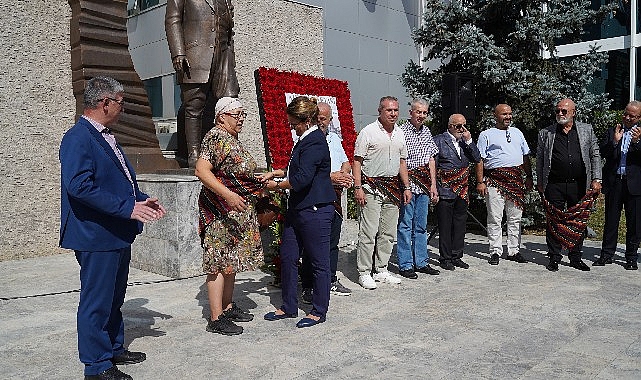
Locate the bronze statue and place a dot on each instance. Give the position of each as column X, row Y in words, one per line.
column 200, row 37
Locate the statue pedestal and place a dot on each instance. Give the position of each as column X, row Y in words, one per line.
column 170, row 246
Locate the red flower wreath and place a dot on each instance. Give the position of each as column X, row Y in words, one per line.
column 272, row 86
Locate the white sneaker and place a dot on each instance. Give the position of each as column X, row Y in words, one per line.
column 366, row 281
column 386, row 276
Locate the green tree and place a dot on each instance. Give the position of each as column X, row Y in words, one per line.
column 501, row 43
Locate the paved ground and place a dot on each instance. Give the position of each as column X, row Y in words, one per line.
column 506, row 321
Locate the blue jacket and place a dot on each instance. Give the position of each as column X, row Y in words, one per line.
column 308, row 173
column 448, row 159
column 96, row 196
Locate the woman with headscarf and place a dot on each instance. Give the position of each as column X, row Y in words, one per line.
column 227, row 217
column 309, row 213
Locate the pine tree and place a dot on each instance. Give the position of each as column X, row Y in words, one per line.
column 500, row 42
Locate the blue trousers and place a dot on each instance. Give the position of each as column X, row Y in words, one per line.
column 101, row 330
column 411, row 235
column 309, row 230
column 335, row 237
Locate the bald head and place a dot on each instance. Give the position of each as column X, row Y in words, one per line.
column 565, row 111
column 503, row 116
column 324, row 116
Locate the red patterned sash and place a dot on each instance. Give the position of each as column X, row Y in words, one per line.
column 421, row 178
column 389, row 186
column 337, row 203
column 212, row 206
column 455, row 179
column 509, row 181
column 569, row 226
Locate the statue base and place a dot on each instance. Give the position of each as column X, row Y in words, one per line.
column 170, row 246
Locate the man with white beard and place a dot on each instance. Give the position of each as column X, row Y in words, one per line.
column 568, row 170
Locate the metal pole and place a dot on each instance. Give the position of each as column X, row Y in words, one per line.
column 633, row 48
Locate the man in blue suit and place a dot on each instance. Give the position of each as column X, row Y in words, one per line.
column 102, row 211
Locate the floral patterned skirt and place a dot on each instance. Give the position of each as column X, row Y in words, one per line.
column 233, row 244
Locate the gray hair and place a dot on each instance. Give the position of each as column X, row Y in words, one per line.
column 636, row 104
column 99, row 88
column 420, row 102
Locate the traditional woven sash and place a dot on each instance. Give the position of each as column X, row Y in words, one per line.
column 421, row 178
column 568, row 226
column 389, row 186
column 455, row 179
column 212, row 206
column 337, row 203
column 509, row 182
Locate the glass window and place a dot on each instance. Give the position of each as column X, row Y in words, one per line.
column 144, row 4
column 153, row 87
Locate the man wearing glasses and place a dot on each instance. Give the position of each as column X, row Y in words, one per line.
column 102, row 211
column 622, row 186
column 500, row 179
column 456, row 151
column 568, row 165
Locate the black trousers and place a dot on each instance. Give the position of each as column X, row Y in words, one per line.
column 563, row 196
column 452, row 217
column 619, row 197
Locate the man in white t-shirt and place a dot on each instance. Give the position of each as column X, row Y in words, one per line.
column 500, row 179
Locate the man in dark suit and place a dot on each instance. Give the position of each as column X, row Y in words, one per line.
column 102, row 211
column 456, row 151
column 622, row 186
column 200, row 37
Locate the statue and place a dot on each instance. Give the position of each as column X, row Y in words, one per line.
column 200, row 37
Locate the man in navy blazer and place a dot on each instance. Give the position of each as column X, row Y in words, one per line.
column 456, row 151
column 622, row 186
column 102, row 211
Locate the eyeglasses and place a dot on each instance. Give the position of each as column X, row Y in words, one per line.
column 120, row 102
column 238, row 115
column 420, row 112
column 507, row 136
column 562, row 111
column 631, row 116
column 458, row 126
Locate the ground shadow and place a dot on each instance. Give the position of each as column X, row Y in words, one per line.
column 139, row 320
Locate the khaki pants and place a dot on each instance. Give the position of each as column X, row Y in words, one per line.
column 377, row 227
column 496, row 203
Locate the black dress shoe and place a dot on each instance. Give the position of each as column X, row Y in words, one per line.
column 408, row 273
column 428, row 270
column 601, row 261
column 111, row 374
column 272, row 316
column 580, row 265
column 447, row 265
column 129, row 357
column 553, row 266
column 308, row 322
column 494, row 259
column 460, row 263
column 236, row 314
column 631, row 265
column 224, row 326
column 517, row 258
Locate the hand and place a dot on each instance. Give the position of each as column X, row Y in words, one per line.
column 433, row 194
column 407, row 196
column 271, row 185
column 618, row 133
column 341, row 179
column 148, row 210
column 529, row 183
column 481, row 188
column 595, row 186
column 180, row 62
column 466, row 135
column 235, row 201
column 265, row 177
column 359, row 196
column 636, row 134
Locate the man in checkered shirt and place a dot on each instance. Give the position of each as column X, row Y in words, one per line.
column 412, row 249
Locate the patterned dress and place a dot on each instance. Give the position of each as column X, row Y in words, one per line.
column 231, row 243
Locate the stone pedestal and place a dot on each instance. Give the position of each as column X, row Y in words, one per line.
column 170, row 246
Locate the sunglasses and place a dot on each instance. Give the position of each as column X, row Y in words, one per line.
column 459, row 126
column 562, row 111
column 507, row 136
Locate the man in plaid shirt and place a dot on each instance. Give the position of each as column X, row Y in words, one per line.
column 411, row 234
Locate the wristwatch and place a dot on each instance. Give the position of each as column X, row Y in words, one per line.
column 597, row 180
column 356, row 187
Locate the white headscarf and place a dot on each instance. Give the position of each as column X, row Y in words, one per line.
column 227, row 104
